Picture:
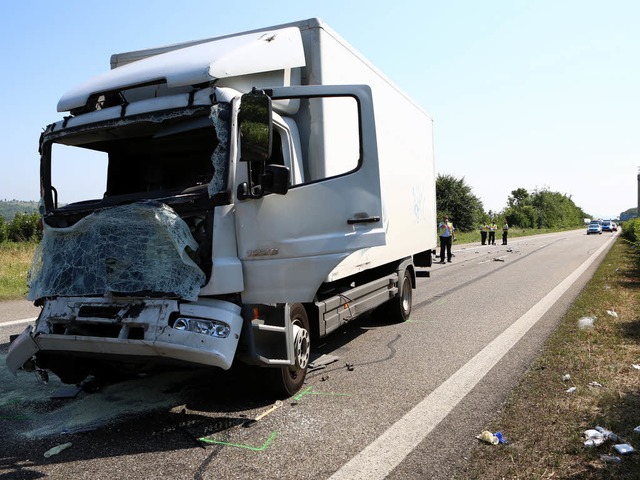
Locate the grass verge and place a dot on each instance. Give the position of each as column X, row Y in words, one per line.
column 15, row 260
column 543, row 422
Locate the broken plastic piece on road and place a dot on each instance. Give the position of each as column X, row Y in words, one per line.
column 612, row 313
column 586, row 322
column 322, row 361
column 624, row 448
column 57, row 449
column 488, row 437
column 570, row 390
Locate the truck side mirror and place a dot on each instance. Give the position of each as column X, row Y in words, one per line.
column 256, row 128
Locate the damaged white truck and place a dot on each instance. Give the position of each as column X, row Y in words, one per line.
column 260, row 190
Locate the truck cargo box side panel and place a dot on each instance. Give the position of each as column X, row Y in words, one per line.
column 405, row 153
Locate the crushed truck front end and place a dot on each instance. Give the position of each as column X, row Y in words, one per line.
column 75, row 337
column 119, row 275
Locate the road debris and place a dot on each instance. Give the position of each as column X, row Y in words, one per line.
column 322, row 361
column 595, row 384
column 624, row 448
column 612, row 313
column 57, row 449
column 571, row 390
column 593, row 438
column 488, row 437
column 610, row 458
column 566, row 377
column 586, row 323
column 257, row 418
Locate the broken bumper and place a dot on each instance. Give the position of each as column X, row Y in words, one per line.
column 62, row 329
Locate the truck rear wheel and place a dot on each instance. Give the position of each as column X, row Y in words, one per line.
column 287, row 381
column 398, row 308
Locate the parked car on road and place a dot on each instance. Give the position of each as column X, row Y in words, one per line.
column 594, row 227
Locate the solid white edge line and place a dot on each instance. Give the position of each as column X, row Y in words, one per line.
column 18, row 322
column 385, row 453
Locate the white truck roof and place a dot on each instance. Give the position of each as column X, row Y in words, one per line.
column 262, row 51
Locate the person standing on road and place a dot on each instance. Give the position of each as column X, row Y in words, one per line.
column 446, row 232
column 505, row 231
column 492, row 233
column 484, row 228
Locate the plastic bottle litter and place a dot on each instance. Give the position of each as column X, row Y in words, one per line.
column 57, row 449
column 501, row 438
column 488, row 437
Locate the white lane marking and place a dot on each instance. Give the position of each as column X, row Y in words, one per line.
column 385, row 453
column 18, row 322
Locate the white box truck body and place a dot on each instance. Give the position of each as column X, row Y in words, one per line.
column 261, row 189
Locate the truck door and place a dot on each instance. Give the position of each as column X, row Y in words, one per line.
column 289, row 243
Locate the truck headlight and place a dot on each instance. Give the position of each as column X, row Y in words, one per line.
column 205, row 327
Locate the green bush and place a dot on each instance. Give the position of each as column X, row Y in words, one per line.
column 4, row 234
column 631, row 231
column 25, row 227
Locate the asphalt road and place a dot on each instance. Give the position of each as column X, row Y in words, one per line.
column 401, row 401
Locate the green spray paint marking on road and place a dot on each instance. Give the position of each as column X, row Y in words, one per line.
column 264, row 446
column 309, row 391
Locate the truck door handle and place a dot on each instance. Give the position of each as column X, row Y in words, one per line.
column 373, row 219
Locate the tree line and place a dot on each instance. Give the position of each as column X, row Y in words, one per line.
column 538, row 209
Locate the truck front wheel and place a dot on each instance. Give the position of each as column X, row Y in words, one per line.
column 288, row 380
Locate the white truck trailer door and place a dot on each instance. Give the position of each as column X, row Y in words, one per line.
column 289, row 243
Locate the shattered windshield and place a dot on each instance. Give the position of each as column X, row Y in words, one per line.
column 149, row 156
column 148, row 228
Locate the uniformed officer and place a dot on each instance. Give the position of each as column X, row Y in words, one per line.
column 492, row 233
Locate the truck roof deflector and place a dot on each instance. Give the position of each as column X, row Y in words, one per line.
column 227, row 57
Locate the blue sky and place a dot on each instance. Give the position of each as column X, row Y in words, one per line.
column 531, row 94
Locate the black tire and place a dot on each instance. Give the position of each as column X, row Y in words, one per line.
column 287, row 381
column 398, row 309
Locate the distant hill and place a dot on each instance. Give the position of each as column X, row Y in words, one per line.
column 9, row 208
